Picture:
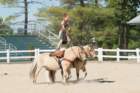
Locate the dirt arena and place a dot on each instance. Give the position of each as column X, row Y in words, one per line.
column 107, row 77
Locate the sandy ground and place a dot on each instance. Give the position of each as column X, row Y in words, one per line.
column 105, row 77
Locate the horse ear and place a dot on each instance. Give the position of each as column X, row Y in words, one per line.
column 90, row 45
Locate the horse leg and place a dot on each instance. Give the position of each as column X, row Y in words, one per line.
column 62, row 73
column 66, row 67
column 77, row 73
column 77, row 66
column 82, row 66
column 65, row 75
column 84, row 70
column 69, row 73
column 36, row 74
column 52, row 75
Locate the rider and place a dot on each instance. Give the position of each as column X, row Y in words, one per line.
column 63, row 33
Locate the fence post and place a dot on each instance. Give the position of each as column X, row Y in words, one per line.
column 37, row 51
column 8, row 56
column 138, row 55
column 100, row 54
column 118, row 55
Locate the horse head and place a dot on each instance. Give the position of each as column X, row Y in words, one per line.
column 89, row 51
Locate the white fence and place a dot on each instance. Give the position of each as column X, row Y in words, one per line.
column 102, row 54
column 14, row 54
column 118, row 54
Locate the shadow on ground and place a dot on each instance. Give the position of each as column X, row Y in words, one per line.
column 98, row 80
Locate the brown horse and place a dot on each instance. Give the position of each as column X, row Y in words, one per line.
column 51, row 63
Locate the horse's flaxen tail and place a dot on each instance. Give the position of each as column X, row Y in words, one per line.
column 33, row 70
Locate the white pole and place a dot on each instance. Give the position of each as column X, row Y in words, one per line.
column 37, row 51
column 138, row 55
column 118, row 55
column 8, row 56
column 100, row 54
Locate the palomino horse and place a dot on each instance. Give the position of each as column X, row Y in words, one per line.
column 51, row 63
column 73, row 53
column 44, row 61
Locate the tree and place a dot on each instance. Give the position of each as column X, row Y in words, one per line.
column 124, row 11
column 7, row 2
column 73, row 2
column 86, row 23
column 26, row 17
column 25, row 6
column 106, row 24
column 5, row 29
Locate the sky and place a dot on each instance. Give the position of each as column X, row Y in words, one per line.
column 33, row 8
column 5, row 11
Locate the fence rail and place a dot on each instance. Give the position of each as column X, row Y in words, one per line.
column 101, row 54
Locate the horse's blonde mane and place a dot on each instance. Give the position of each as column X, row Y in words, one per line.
column 86, row 47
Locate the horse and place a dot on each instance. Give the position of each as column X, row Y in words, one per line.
column 52, row 64
column 73, row 53
column 44, row 60
column 73, row 58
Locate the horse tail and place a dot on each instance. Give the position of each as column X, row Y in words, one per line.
column 33, row 70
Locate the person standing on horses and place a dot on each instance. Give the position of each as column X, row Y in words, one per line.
column 63, row 33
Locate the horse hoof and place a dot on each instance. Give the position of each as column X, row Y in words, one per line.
column 69, row 77
column 34, row 82
column 5, row 73
column 85, row 75
column 52, row 82
column 65, row 81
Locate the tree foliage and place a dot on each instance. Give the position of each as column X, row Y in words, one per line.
column 5, row 29
column 8, row 2
column 86, row 23
column 107, row 23
column 124, row 11
column 21, row 4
